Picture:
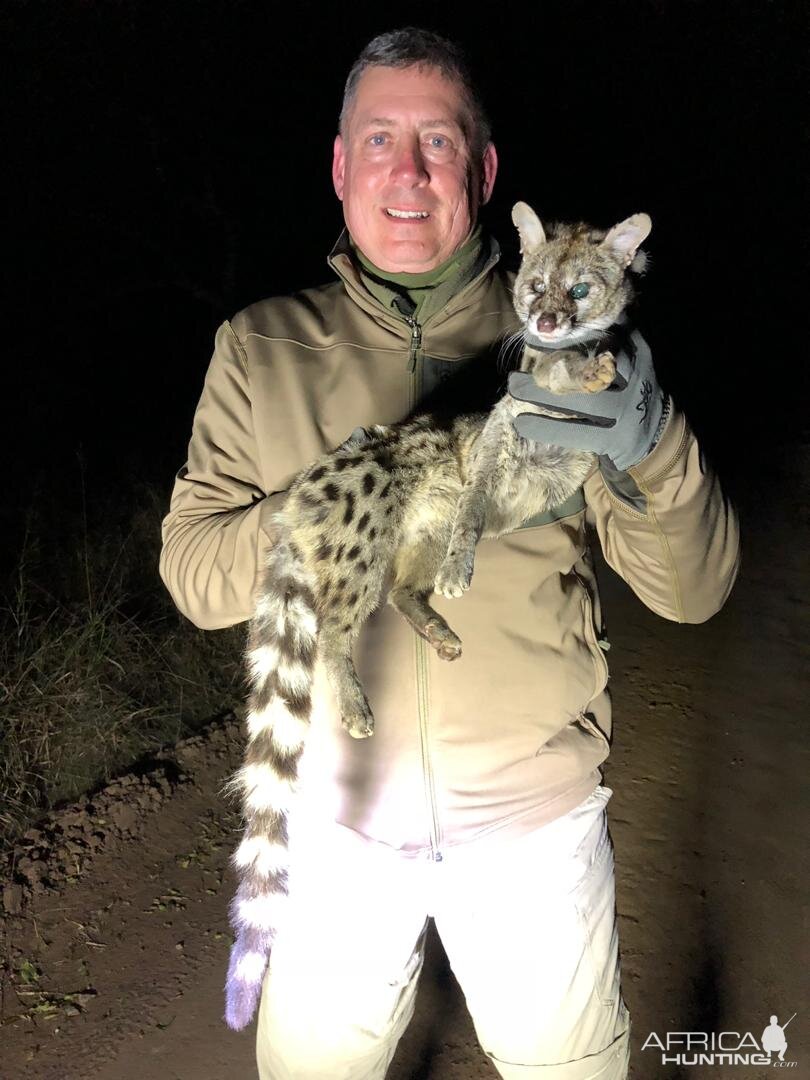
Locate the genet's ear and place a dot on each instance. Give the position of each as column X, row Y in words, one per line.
column 528, row 225
column 624, row 239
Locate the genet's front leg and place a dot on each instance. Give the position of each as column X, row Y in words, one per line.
column 570, row 372
column 455, row 573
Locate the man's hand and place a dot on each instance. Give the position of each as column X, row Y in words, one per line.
column 362, row 436
column 359, row 437
column 620, row 423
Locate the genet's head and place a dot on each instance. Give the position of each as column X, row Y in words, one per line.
column 413, row 161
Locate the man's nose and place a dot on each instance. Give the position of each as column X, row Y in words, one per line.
column 409, row 166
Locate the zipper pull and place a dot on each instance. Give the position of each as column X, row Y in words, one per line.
column 416, row 341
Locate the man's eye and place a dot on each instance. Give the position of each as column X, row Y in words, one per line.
column 377, row 140
column 579, row 291
column 438, row 142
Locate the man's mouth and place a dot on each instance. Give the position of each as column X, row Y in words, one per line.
column 406, row 215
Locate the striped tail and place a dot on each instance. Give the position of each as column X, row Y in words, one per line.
column 280, row 657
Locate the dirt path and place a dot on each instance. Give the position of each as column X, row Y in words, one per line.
column 118, row 965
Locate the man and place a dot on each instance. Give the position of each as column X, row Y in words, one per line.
column 478, row 799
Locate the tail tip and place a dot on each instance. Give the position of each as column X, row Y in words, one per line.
column 240, row 1005
column 243, row 985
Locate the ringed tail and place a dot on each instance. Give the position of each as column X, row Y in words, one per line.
column 280, row 657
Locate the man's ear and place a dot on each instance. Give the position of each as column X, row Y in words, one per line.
column 338, row 166
column 489, row 170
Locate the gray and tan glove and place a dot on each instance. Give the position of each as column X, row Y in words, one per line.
column 359, row 437
column 622, row 423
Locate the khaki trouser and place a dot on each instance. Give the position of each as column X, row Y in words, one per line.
column 528, row 925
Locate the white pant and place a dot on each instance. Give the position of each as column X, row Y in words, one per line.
column 529, row 928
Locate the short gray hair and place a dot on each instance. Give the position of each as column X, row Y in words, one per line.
column 414, row 47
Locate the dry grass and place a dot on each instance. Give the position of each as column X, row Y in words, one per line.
column 96, row 666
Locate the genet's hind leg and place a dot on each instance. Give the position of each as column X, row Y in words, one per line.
column 335, row 648
column 415, row 569
column 428, row 623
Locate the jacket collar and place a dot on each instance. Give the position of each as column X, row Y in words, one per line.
column 341, row 260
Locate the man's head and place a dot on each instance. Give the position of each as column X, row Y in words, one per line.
column 413, row 139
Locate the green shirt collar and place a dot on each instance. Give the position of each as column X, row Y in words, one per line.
column 421, row 295
column 430, row 277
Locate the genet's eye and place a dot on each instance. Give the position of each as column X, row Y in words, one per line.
column 538, row 287
column 579, row 291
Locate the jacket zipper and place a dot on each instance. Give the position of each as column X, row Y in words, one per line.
column 416, row 344
column 423, row 707
column 421, row 654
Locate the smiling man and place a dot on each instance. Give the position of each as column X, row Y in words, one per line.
column 478, row 801
column 410, row 169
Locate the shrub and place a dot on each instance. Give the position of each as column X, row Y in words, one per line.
column 97, row 668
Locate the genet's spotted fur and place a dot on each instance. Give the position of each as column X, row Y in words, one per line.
column 404, row 510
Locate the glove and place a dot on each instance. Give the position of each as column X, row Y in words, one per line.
column 620, row 423
column 359, row 437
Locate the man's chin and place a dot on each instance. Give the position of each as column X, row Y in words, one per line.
column 406, row 256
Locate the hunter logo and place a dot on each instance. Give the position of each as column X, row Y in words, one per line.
column 773, row 1038
column 723, row 1047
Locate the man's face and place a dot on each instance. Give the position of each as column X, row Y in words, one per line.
column 405, row 151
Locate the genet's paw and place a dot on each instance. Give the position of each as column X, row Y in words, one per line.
column 449, row 651
column 454, row 577
column 359, row 726
column 598, row 373
column 444, row 641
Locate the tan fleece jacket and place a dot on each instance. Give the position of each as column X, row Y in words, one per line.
column 512, row 734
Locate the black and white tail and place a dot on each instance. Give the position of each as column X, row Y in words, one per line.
column 280, row 657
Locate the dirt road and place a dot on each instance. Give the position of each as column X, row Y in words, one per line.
column 118, row 964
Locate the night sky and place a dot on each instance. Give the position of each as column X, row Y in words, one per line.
column 169, row 164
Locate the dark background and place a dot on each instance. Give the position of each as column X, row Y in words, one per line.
column 169, row 164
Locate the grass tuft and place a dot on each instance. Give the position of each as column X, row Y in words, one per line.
column 97, row 668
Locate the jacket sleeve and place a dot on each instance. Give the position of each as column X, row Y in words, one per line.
column 666, row 527
column 213, row 539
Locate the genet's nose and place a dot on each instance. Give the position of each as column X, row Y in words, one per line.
column 547, row 322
